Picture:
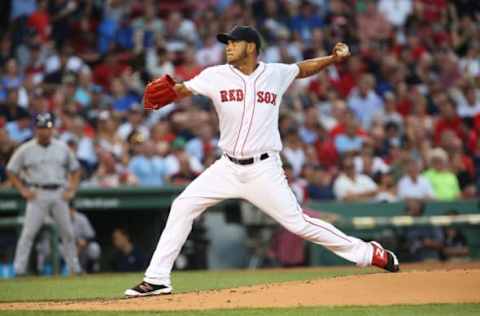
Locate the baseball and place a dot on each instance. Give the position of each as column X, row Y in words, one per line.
column 342, row 50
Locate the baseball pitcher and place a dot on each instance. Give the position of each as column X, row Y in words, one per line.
column 246, row 94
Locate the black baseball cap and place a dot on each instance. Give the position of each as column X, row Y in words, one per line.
column 44, row 120
column 241, row 33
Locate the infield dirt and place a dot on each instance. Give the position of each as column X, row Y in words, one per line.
column 423, row 284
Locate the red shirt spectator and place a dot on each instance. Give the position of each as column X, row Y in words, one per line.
column 432, row 10
column 40, row 21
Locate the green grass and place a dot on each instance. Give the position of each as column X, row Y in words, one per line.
column 408, row 310
column 113, row 285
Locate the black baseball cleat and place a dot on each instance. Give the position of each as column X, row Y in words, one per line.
column 148, row 289
column 384, row 258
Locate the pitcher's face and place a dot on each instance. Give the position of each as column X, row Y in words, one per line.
column 236, row 51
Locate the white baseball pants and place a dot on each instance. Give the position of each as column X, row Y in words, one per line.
column 262, row 183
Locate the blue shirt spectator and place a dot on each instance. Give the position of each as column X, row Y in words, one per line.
column 348, row 142
column 19, row 131
column 364, row 102
column 147, row 167
column 305, row 22
column 22, row 7
column 125, row 102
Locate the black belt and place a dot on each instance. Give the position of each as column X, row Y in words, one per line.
column 246, row 161
column 45, row 186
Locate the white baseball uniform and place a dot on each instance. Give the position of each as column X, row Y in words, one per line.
column 248, row 110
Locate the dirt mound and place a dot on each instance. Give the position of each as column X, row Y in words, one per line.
column 413, row 287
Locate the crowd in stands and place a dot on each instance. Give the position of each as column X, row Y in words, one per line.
column 400, row 119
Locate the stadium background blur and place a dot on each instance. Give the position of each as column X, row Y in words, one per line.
column 405, row 105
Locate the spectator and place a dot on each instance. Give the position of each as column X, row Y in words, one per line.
column 395, row 11
column 305, row 21
column 349, row 141
column 351, row 186
column 10, row 110
column 12, row 77
column 188, row 67
column 146, row 27
column 293, row 151
column 413, row 185
column 204, row 146
column 448, row 120
column 319, row 183
column 181, row 168
column 148, row 167
column 99, row 102
column 461, row 164
column 107, row 138
column 297, row 184
column 444, row 182
column 126, row 256
column 309, row 131
column 88, row 249
column 159, row 61
column 7, row 146
column 134, row 122
column 423, row 242
column 211, row 54
column 455, row 242
column 20, row 130
column 369, row 164
column 387, row 190
column 391, row 115
column 372, row 25
column 364, row 102
column 123, row 99
column 468, row 104
column 111, row 174
column 85, row 150
column 162, row 136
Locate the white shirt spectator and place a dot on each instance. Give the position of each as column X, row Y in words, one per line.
column 85, row 146
column 386, row 197
column 173, row 166
column 378, row 165
column 465, row 110
column 74, row 64
column 296, row 157
column 211, row 55
column 126, row 128
column 365, row 108
column 420, row 189
column 157, row 67
column 195, row 147
column 395, row 11
column 344, row 185
column 470, row 66
column 273, row 53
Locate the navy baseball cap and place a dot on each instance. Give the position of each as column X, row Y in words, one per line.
column 44, row 120
column 241, row 33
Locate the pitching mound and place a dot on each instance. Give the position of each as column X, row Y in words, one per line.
column 411, row 287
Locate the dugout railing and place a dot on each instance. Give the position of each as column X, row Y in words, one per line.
column 144, row 208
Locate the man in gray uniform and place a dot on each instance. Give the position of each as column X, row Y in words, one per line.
column 46, row 173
